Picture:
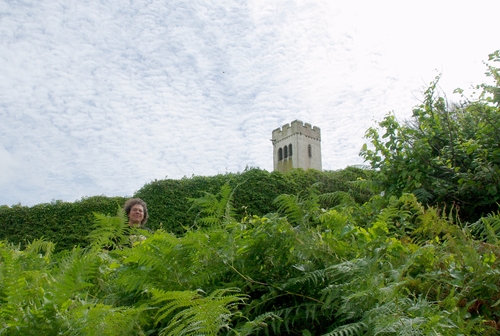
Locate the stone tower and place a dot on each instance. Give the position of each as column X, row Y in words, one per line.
column 296, row 145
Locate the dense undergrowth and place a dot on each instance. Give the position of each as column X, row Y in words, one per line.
column 386, row 267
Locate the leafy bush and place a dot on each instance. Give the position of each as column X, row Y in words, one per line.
column 64, row 223
column 407, row 270
column 446, row 154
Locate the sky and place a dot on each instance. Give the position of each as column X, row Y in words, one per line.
column 102, row 97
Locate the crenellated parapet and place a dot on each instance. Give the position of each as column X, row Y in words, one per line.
column 296, row 127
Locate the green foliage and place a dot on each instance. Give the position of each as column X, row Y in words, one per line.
column 69, row 224
column 383, row 267
column 115, row 232
column 446, row 154
column 298, row 210
column 170, row 201
column 64, row 223
column 99, row 319
column 213, row 211
column 487, row 228
column 189, row 313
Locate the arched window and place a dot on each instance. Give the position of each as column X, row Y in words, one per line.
column 280, row 154
column 309, row 151
column 290, row 150
column 286, row 152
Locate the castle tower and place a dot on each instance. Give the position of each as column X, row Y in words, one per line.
column 296, row 145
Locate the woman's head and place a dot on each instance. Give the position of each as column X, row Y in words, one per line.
column 137, row 211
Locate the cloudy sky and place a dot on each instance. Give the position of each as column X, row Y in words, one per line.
column 102, row 97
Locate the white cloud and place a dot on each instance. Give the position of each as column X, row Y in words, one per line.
column 101, row 98
column 8, row 167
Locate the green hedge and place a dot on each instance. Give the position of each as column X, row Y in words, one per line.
column 256, row 189
column 68, row 224
column 64, row 223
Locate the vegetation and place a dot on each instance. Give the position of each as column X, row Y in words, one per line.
column 254, row 191
column 68, row 224
column 446, row 154
column 396, row 251
column 64, row 223
column 353, row 269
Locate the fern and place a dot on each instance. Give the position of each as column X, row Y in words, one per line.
column 215, row 210
column 40, row 247
column 110, row 232
column 423, row 195
column 297, row 314
column 405, row 316
column 163, row 261
column 260, row 322
column 13, row 285
column 150, row 264
column 350, row 329
column 104, row 320
column 388, row 267
column 340, row 198
column 487, row 228
column 74, row 275
column 189, row 313
column 366, row 185
column 23, row 276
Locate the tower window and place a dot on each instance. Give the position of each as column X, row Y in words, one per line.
column 280, row 154
column 309, row 151
column 286, row 152
column 290, row 150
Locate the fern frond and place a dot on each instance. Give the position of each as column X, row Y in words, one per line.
column 110, row 232
column 24, row 275
column 405, row 316
column 151, row 263
column 74, row 274
column 189, row 313
column 364, row 184
column 285, row 319
column 338, row 198
column 488, row 228
column 351, row 329
column 227, row 195
column 13, row 284
column 258, row 323
column 105, row 320
column 41, row 246
column 334, row 220
column 310, row 279
column 217, row 209
column 291, row 206
column 206, row 203
column 423, row 195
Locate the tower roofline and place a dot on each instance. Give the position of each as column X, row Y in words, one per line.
column 297, row 126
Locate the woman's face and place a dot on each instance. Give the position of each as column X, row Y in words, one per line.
column 136, row 214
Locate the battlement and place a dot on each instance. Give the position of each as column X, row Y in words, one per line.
column 295, row 127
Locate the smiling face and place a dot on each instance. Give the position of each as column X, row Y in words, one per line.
column 136, row 214
column 137, row 211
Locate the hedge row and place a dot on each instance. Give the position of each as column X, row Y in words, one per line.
column 68, row 224
column 255, row 191
column 64, row 223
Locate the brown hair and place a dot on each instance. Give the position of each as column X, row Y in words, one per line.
column 133, row 201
